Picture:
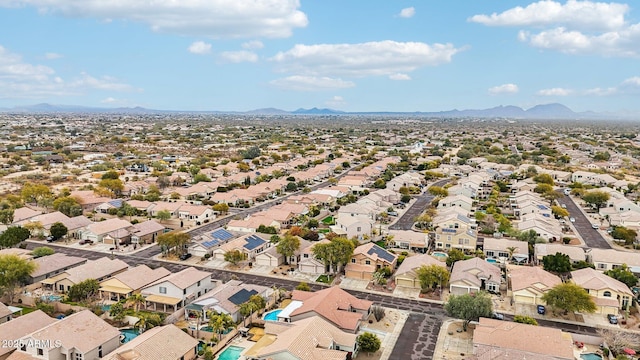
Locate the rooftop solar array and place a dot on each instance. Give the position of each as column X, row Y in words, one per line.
column 253, row 242
column 211, row 243
column 542, row 207
column 221, row 234
column 242, row 296
column 382, row 253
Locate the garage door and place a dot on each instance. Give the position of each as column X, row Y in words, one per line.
column 264, row 261
column 524, row 299
column 407, row 282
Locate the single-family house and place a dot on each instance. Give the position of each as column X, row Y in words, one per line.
column 506, row 249
column 607, row 259
column 49, row 266
column 129, row 282
column 367, row 259
column 410, row 240
column 199, row 214
column 22, row 326
column 176, row 290
column 308, row 264
column 146, row 232
column 109, row 231
column 495, row 339
column 166, row 342
column 608, row 294
column 575, row 253
column 528, row 284
column 455, row 231
column 82, row 335
column 353, row 226
column 226, row 299
column 459, row 200
column 100, row 269
column 406, row 274
column 332, row 304
column 307, row 339
column 206, row 243
column 473, row 275
column 250, row 245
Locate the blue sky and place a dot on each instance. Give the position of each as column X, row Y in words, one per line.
column 357, row 55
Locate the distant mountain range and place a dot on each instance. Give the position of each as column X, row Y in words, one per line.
column 546, row 111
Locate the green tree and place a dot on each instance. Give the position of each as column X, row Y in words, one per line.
column 58, row 230
column 116, row 311
column 110, row 175
column 453, row 256
column 136, row 300
column 219, row 322
column 13, row 236
column 221, row 208
column 334, row 254
column 234, row 256
column 523, row 319
column 596, row 198
column 287, row 247
column 35, row 193
column 303, row 286
column 623, row 274
column 368, row 342
column 174, row 240
column 438, row 191
column 570, row 298
column 163, row 215
column 201, row 177
column 6, row 216
column 68, row 206
column 431, row 276
column 543, row 179
column 114, row 186
column 559, row 211
column 469, row 307
column 14, row 272
column 558, row 263
column 84, row 290
column 42, row 251
column 625, row 234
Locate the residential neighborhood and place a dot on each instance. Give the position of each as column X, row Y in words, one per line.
column 256, row 237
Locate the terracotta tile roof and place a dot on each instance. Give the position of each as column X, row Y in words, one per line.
column 95, row 269
column 412, row 263
column 307, row 339
column 532, row 277
column 140, row 276
column 53, row 262
column 22, row 326
column 508, row 339
column 333, row 304
column 147, row 227
column 591, row 279
column 185, row 278
column 84, row 331
column 162, row 342
column 24, row 213
column 107, row 226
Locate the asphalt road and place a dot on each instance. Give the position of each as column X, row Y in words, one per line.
column 405, row 222
column 592, row 237
column 418, row 337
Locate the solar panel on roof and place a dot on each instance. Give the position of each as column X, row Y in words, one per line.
column 382, row 253
column 221, row 234
column 210, row 243
column 242, row 296
column 253, row 242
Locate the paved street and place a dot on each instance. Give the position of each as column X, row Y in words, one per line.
column 407, row 219
column 592, row 237
column 419, row 334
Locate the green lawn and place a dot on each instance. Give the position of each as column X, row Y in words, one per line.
column 324, row 279
column 382, row 244
column 328, row 220
column 324, row 231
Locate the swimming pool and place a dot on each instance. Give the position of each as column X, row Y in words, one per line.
column 231, row 353
column 493, row 261
column 50, row 298
column 272, row 315
column 440, row 255
column 590, row 356
column 129, row 334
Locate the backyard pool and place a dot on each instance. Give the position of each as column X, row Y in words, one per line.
column 440, row 255
column 230, row 353
column 272, row 315
column 493, row 261
column 127, row 335
column 51, row 298
column 590, row 356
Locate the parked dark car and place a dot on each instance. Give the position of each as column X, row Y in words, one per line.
column 82, row 242
column 612, row 319
column 185, row 256
column 541, row 310
column 50, row 238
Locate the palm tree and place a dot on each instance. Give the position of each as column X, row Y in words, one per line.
column 136, row 300
column 220, row 322
column 512, row 250
column 141, row 325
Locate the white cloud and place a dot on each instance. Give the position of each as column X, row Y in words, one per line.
column 336, row 101
column 586, row 15
column 52, row 56
column 555, row 92
column 311, row 83
column 382, row 58
column 253, row 45
column 210, row 18
column 399, row 76
column 407, row 12
column 109, row 100
column 576, row 27
column 19, row 79
column 601, row 91
column 504, row 89
column 200, row 48
column 239, row 56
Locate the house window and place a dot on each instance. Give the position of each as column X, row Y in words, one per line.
column 439, row 245
column 198, row 283
column 606, row 294
column 490, row 253
column 79, row 356
column 602, row 266
column 184, row 292
column 100, row 351
column 353, row 261
column 305, row 256
column 448, row 246
column 368, row 262
column 162, row 290
column 41, row 352
column 492, row 288
column 359, row 229
column 448, row 237
column 503, row 254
